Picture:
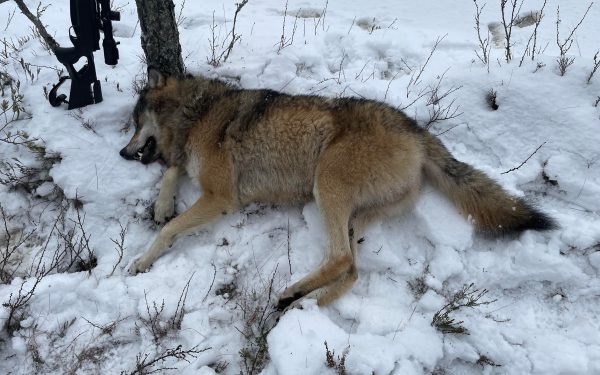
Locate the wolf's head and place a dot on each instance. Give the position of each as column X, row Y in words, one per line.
column 143, row 146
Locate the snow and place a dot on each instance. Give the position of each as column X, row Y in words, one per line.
column 545, row 319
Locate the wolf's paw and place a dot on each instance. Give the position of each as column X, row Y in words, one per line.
column 139, row 266
column 164, row 210
column 288, row 299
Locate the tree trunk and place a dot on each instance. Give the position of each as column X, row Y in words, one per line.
column 160, row 37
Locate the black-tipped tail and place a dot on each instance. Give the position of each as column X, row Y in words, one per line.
column 534, row 220
column 493, row 211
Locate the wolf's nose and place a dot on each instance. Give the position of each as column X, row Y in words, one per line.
column 124, row 154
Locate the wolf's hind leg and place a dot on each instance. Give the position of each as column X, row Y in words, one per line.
column 164, row 207
column 358, row 223
column 335, row 207
column 204, row 211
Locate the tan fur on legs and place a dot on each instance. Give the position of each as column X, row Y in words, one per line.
column 213, row 204
column 203, row 212
column 334, row 290
column 358, row 223
column 334, row 206
column 164, row 207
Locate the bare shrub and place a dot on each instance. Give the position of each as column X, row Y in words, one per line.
column 47, row 41
column 416, row 76
column 508, row 24
column 338, row 365
column 119, row 247
column 216, row 57
column 564, row 46
column 320, row 20
column 18, row 304
column 537, row 18
column 483, row 54
column 13, row 241
column 259, row 316
column 86, row 123
column 468, row 296
column 23, row 178
column 413, row 87
column 139, row 83
column 440, row 110
column 106, row 329
column 12, row 110
column 145, row 364
column 73, row 253
column 159, row 325
column 284, row 40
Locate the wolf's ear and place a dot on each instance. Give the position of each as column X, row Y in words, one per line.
column 155, row 78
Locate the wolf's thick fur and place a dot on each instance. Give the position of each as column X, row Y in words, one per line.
column 357, row 158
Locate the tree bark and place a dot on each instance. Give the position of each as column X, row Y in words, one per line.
column 160, row 37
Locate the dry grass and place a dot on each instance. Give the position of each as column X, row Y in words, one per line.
column 468, row 296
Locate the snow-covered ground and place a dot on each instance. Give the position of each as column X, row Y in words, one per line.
column 546, row 287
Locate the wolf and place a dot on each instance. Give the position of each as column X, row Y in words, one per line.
column 358, row 159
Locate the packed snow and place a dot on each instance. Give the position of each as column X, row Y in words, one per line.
column 543, row 288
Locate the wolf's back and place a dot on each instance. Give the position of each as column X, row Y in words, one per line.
column 492, row 209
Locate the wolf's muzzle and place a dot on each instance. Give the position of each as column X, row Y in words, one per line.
column 125, row 155
column 146, row 154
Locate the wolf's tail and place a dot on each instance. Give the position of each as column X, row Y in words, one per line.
column 481, row 199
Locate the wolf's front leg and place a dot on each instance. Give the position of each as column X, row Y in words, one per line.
column 164, row 208
column 206, row 210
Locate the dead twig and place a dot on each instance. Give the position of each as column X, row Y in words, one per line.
column 145, row 365
column 284, row 41
column 212, row 283
column 484, row 44
column 524, row 161
column 596, row 65
column 234, row 36
column 120, row 247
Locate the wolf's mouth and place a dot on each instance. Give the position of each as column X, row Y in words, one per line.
column 145, row 154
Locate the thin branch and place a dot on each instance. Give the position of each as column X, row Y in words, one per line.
column 437, row 42
column 525, row 161
column 484, row 44
column 537, row 23
column 38, row 25
column 570, row 37
column 212, row 283
column 596, row 66
column 563, row 61
column 234, row 38
column 508, row 25
column 120, row 247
